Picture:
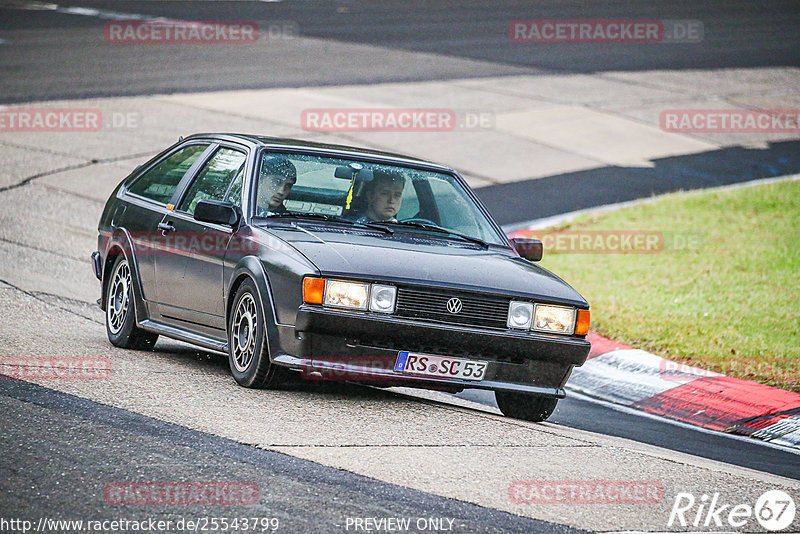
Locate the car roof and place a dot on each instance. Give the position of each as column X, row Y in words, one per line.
column 288, row 143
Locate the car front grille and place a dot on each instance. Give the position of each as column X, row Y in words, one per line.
column 431, row 305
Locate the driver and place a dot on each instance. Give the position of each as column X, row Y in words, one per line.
column 278, row 175
column 384, row 195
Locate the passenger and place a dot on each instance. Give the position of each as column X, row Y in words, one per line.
column 278, row 175
column 384, row 195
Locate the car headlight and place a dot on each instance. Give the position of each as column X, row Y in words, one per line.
column 379, row 298
column 553, row 319
column 520, row 315
column 346, row 294
column 382, row 298
column 524, row 315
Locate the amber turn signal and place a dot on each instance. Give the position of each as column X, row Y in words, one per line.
column 582, row 326
column 313, row 290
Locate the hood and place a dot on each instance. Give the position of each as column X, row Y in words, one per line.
column 425, row 259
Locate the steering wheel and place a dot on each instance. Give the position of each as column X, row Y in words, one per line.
column 420, row 220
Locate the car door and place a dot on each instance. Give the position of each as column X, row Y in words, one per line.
column 145, row 202
column 189, row 271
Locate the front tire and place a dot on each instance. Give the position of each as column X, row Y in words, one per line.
column 248, row 351
column 120, row 314
column 525, row 406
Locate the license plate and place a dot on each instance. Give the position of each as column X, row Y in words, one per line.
column 414, row 363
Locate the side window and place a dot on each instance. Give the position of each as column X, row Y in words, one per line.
column 214, row 179
column 234, row 194
column 160, row 182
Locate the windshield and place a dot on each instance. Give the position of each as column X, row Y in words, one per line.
column 365, row 192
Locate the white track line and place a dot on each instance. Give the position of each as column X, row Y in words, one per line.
column 86, row 12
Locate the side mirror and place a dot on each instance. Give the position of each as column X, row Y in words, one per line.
column 214, row 211
column 530, row 249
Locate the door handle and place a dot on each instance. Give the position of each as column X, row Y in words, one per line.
column 166, row 227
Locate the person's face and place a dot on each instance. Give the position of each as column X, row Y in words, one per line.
column 274, row 190
column 384, row 201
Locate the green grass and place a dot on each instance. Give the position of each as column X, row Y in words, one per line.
column 726, row 301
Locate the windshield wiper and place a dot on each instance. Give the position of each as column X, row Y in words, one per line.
column 325, row 217
column 304, row 215
column 440, row 230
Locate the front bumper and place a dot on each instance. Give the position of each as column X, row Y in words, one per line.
column 363, row 347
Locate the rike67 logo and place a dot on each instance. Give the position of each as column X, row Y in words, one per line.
column 774, row 510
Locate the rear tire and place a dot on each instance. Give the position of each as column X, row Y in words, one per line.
column 120, row 313
column 248, row 350
column 525, row 406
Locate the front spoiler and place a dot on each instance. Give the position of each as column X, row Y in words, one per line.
column 320, row 369
column 363, row 347
column 97, row 261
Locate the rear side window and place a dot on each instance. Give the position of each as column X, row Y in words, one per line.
column 160, row 182
column 217, row 178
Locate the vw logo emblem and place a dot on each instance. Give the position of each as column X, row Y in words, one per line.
column 454, row 305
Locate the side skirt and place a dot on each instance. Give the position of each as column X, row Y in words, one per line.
column 183, row 335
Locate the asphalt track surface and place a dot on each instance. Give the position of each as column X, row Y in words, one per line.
column 469, row 39
column 602, row 418
column 516, row 202
column 98, row 443
column 60, row 54
column 466, row 39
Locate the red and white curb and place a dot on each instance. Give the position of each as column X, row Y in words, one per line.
column 638, row 379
